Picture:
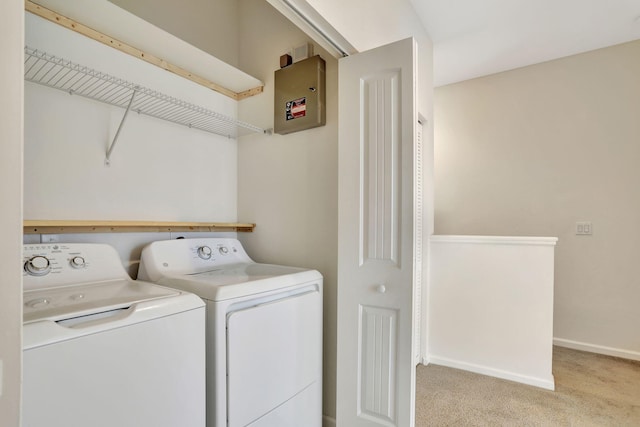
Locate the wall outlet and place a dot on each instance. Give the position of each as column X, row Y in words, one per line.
column 299, row 53
column 584, row 228
column 50, row 238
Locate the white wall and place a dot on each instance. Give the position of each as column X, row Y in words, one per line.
column 287, row 184
column 530, row 152
column 491, row 306
column 212, row 24
column 159, row 170
column 11, row 126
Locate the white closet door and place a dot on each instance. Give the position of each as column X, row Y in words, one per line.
column 377, row 240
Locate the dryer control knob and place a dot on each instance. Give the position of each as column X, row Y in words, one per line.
column 78, row 262
column 37, row 266
column 224, row 250
column 204, row 252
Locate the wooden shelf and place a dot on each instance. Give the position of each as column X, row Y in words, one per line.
column 109, row 24
column 62, row 226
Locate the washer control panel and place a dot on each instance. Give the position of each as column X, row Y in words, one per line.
column 50, row 265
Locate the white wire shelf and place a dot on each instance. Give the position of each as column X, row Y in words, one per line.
column 49, row 70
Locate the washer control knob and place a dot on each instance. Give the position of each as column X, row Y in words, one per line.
column 78, row 262
column 204, row 252
column 37, row 265
column 224, row 250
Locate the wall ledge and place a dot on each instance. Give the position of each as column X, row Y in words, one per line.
column 495, row 240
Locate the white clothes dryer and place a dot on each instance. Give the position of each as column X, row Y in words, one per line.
column 264, row 330
column 102, row 350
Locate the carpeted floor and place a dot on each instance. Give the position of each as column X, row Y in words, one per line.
column 591, row 390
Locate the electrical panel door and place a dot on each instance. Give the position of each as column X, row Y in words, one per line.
column 300, row 96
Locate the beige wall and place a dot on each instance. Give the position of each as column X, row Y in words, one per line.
column 288, row 184
column 212, row 24
column 532, row 151
column 11, row 49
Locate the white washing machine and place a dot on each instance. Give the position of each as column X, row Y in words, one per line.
column 100, row 349
column 264, row 330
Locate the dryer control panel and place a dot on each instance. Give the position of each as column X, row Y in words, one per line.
column 187, row 256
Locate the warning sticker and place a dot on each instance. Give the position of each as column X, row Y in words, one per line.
column 296, row 108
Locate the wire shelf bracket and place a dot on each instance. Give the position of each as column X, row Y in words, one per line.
column 75, row 79
column 107, row 160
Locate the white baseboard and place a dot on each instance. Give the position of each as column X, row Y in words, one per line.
column 327, row 421
column 600, row 349
column 546, row 383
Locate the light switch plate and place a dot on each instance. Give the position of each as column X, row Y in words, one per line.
column 584, row 228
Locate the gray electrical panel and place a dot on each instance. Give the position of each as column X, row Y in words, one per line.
column 299, row 101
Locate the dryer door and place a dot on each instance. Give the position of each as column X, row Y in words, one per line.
column 274, row 353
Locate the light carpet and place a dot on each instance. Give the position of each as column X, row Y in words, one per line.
column 591, row 390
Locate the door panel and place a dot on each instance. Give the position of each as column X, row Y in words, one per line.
column 376, row 243
column 381, row 149
column 273, row 354
column 377, row 351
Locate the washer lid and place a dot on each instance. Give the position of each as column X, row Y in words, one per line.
column 89, row 298
column 238, row 280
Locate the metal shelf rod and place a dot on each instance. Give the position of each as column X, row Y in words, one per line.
column 107, row 161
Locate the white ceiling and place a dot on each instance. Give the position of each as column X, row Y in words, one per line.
column 473, row 38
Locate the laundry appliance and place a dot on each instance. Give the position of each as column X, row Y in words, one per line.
column 264, row 330
column 102, row 350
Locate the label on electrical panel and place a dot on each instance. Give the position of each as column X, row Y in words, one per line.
column 296, row 108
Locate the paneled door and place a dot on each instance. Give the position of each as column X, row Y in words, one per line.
column 377, row 237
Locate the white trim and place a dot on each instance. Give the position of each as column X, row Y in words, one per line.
column 600, row 349
column 546, row 383
column 305, row 17
column 327, row 421
column 495, row 240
